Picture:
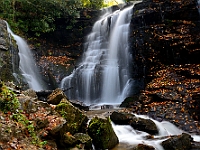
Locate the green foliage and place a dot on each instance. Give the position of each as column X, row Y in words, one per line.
column 38, row 16
column 21, row 118
column 10, row 103
column 8, row 100
column 94, row 4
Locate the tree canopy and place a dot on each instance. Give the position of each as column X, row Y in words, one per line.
column 38, row 16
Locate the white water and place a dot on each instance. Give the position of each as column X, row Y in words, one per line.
column 27, row 63
column 198, row 5
column 132, row 138
column 103, row 75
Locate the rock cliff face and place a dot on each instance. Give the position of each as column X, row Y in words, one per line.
column 164, row 32
column 166, row 46
column 9, row 60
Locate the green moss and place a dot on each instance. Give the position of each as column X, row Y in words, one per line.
column 9, row 103
column 8, row 99
column 101, row 131
column 72, row 115
column 29, row 126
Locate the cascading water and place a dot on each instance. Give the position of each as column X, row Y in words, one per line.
column 131, row 138
column 103, row 75
column 27, row 64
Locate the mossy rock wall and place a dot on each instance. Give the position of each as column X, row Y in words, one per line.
column 9, row 59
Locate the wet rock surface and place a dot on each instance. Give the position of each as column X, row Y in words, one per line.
column 181, row 142
column 9, row 59
column 137, row 123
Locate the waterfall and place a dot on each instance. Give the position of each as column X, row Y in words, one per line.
column 103, row 74
column 27, row 63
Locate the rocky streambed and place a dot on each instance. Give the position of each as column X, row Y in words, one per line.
column 53, row 122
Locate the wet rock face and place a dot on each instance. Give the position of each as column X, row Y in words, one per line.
column 9, row 59
column 181, row 142
column 164, row 33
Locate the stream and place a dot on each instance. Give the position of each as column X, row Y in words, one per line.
column 129, row 138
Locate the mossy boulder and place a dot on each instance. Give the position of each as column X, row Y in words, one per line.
column 102, row 133
column 76, row 120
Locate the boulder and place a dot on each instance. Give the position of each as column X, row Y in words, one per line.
column 78, row 140
column 84, row 140
column 76, row 120
column 56, row 96
column 79, row 104
column 102, row 133
column 146, row 125
column 121, row 118
column 180, row 142
column 69, row 139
